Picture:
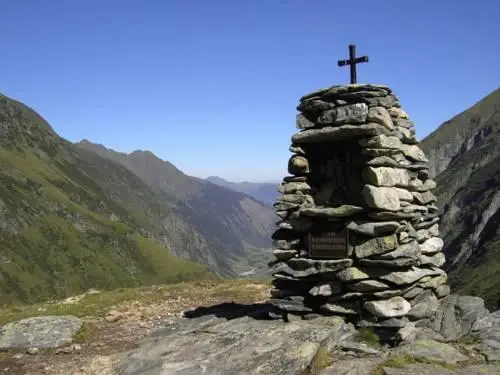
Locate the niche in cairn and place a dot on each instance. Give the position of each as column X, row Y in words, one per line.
column 335, row 173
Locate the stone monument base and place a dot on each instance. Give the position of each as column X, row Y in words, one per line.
column 358, row 230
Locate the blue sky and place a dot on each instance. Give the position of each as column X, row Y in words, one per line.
column 212, row 86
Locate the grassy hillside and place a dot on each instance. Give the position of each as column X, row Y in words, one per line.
column 70, row 220
column 233, row 223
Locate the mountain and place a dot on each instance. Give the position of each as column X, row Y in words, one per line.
column 265, row 192
column 464, row 155
column 71, row 220
column 236, row 227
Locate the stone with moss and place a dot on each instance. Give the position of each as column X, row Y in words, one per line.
column 40, row 332
column 378, row 245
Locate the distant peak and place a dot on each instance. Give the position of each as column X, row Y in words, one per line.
column 215, row 178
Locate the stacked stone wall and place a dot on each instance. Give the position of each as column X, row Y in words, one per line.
column 356, row 165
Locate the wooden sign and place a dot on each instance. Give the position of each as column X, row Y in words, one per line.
column 331, row 243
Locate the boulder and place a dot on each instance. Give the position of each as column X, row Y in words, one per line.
column 326, row 289
column 353, row 366
column 404, row 195
column 385, row 176
column 348, row 114
column 294, row 187
column 303, row 267
column 398, row 113
column 384, row 161
column 341, row 307
column 39, row 332
column 437, row 260
column 489, row 329
column 315, row 106
column 367, row 286
column 351, row 274
column 385, row 101
column 391, row 308
column 372, row 321
column 430, row 350
column 457, row 315
column 299, row 225
column 294, row 149
column 432, row 245
column 286, row 244
column 397, row 263
column 302, row 122
column 373, row 246
column 373, row 229
column 212, row 345
column 284, row 254
column 407, row 250
column 424, row 305
column 298, row 165
column 408, row 277
column 380, row 115
column 433, row 282
column 382, row 141
column 383, row 198
column 442, row 291
column 413, row 152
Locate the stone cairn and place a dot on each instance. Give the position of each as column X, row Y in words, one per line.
column 356, row 167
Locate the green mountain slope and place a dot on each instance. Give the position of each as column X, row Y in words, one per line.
column 465, row 153
column 71, row 220
column 236, row 226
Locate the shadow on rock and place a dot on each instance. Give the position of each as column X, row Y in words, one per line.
column 232, row 310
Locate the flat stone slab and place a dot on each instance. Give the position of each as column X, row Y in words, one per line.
column 216, row 346
column 332, row 212
column 458, row 314
column 334, row 133
column 430, row 369
column 391, row 308
column 418, row 369
column 430, row 350
column 373, row 229
column 39, row 332
column 236, row 339
column 354, row 366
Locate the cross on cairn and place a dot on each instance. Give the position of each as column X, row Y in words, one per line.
column 353, row 60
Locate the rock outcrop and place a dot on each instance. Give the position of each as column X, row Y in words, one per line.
column 359, row 229
column 464, row 153
column 462, row 337
column 240, row 340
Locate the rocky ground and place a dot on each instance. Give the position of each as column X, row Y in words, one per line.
column 112, row 323
column 220, row 328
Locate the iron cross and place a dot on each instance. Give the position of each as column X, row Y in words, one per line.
column 353, row 60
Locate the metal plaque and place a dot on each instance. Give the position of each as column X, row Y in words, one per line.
column 329, row 244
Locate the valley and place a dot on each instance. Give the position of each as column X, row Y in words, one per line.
column 61, row 202
column 71, row 219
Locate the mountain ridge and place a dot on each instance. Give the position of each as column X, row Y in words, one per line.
column 464, row 152
column 232, row 222
column 63, row 230
column 265, row 192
